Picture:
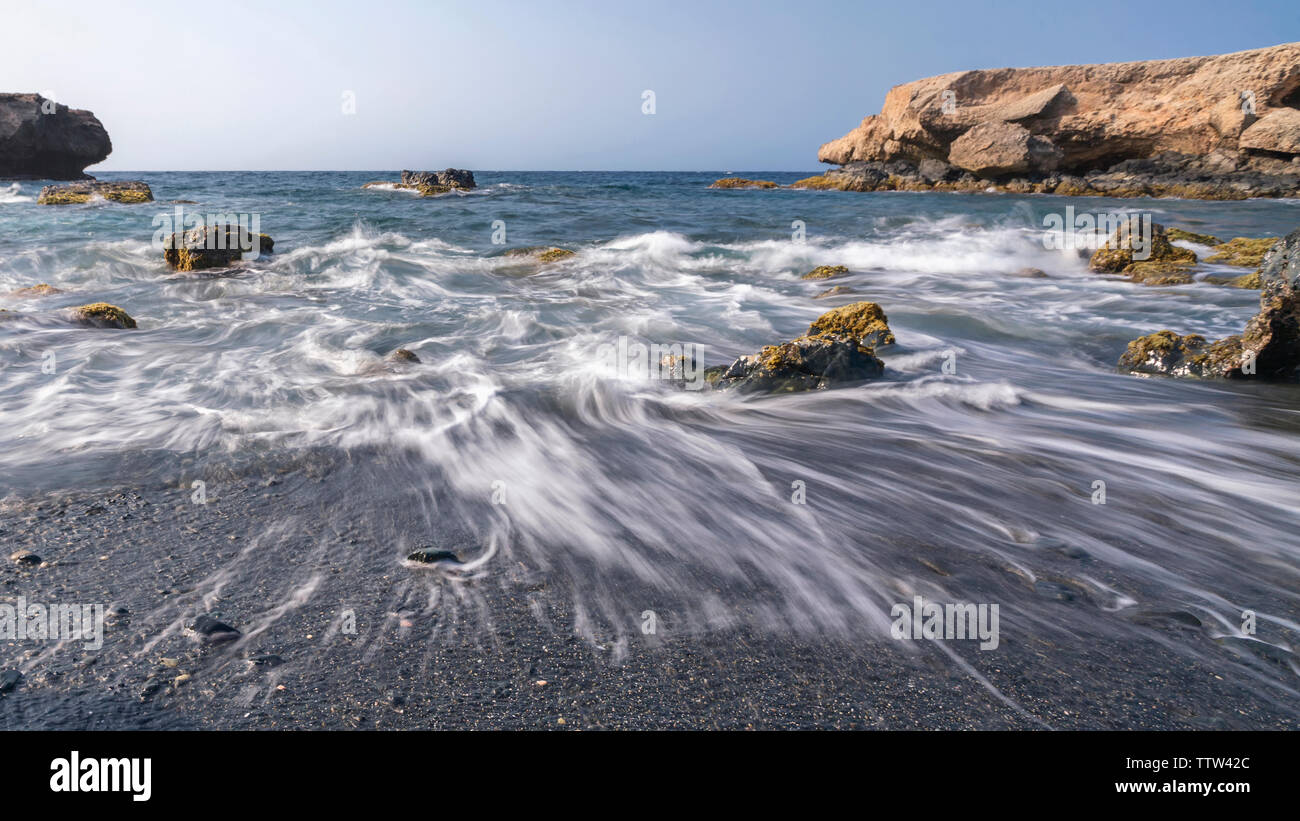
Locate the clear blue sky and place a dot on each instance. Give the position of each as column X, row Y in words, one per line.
column 551, row 85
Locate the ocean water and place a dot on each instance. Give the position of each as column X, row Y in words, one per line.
column 995, row 463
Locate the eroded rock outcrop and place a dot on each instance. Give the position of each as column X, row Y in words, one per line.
column 44, row 140
column 839, row 347
column 431, row 183
column 1268, row 348
column 1222, row 127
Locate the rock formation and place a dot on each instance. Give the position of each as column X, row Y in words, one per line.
column 431, row 183
column 215, row 246
column 44, row 140
column 1268, row 348
column 132, row 191
column 838, row 347
column 1224, row 127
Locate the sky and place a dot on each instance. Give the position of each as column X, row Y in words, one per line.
column 550, row 85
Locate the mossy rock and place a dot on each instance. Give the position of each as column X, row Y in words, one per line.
column 102, row 315
column 838, row 290
column 741, row 182
column 1178, row 234
column 129, row 192
column 542, row 253
column 1251, row 282
column 821, row 182
column 826, row 272
column 1166, row 264
column 1159, row 272
column 1166, row 353
column 864, row 321
column 37, row 290
column 1242, row 251
column 205, row 248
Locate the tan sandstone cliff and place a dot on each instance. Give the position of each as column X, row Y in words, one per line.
column 1201, row 117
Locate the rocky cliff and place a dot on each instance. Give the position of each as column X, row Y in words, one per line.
column 41, row 139
column 1222, row 127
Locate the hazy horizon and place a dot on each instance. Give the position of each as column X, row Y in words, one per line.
column 513, row 86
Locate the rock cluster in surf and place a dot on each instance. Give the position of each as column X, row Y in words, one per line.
column 431, row 183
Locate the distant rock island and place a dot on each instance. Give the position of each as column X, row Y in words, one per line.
column 44, row 140
column 1225, row 127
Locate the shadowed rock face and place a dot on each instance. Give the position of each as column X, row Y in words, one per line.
column 40, row 139
column 1234, row 113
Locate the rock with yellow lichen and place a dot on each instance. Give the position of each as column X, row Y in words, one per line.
column 1243, row 251
column 541, row 253
column 1149, row 260
column 1268, row 348
column 826, row 272
column 128, row 192
column 838, row 348
column 214, row 246
column 1178, row 234
column 1166, row 353
column 101, row 315
column 864, row 321
column 741, row 182
column 42, row 289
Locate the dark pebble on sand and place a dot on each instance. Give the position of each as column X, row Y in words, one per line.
column 268, row 660
column 215, row 630
column 428, row 556
column 25, row 557
column 9, row 680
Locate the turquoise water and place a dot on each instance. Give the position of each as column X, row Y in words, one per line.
column 996, row 460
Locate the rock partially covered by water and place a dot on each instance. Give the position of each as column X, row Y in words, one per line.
column 102, row 315
column 741, row 182
column 449, row 177
column 541, row 253
column 826, row 272
column 1165, row 353
column 213, row 246
column 131, row 191
column 838, row 348
column 1269, row 347
column 44, row 140
column 1164, row 263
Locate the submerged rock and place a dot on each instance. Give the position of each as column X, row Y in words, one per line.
column 217, row 246
column 826, row 272
column 36, row 290
column 403, row 356
column 741, row 182
column 541, row 253
column 213, row 629
column 838, row 348
column 102, row 315
column 133, row 191
column 838, row 290
column 44, row 140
